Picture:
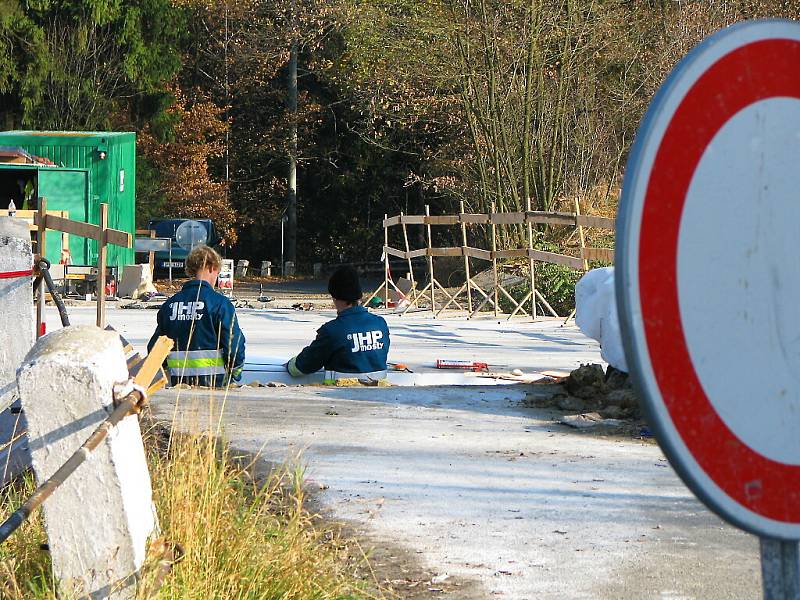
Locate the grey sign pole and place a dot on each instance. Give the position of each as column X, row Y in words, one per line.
column 780, row 569
column 170, row 262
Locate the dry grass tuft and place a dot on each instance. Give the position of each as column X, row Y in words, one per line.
column 242, row 538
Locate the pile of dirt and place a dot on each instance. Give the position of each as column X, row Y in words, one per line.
column 590, row 389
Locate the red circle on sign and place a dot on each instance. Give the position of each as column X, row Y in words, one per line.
column 757, row 71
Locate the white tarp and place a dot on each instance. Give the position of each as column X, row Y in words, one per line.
column 596, row 314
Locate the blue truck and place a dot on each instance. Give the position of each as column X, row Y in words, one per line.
column 185, row 235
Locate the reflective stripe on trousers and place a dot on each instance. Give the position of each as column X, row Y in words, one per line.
column 195, row 362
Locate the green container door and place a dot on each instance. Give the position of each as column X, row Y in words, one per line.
column 66, row 190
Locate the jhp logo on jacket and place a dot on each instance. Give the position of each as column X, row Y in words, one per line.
column 209, row 346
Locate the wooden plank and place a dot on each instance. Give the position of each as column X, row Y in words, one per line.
column 473, row 218
column 416, row 253
column 408, row 259
column 429, row 245
column 558, row 259
column 506, row 218
column 598, row 222
column 605, row 255
column 151, row 256
column 446, row 252
column 581, row 236
column 391, row 221
column 394, row 252
column 550, row 218
column 30, row 217
column 87, row 230
column 510, row 253
column 442, row 220
column 465, row 254
column 119, row 238
column 412, row 219
column 145, row 232
column 478, row 253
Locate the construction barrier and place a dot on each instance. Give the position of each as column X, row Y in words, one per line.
column 487, row 290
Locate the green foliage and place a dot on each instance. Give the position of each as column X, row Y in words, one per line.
column 78, row 64
column 555, row 282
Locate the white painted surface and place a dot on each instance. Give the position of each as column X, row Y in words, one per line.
column 417, row 341
column 98, row 521
column 485, row 490
column 474, row 484
column 743, row 318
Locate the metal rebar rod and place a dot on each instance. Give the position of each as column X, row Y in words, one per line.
column 44, row 268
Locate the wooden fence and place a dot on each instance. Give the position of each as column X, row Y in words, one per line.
column 102, row 233
column 482, row 290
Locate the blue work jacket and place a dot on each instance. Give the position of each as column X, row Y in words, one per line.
column 209, row 346
column 356, row 341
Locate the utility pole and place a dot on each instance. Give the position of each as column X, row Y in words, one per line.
column 291, row 204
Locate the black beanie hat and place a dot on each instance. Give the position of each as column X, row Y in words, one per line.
column 344, row 285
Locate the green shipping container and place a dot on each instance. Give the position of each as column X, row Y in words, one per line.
column 91, row 167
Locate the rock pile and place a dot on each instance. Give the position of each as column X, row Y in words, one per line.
column 590, row 389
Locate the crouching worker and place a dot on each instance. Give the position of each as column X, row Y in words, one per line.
column 355, row 344
column 209, row 346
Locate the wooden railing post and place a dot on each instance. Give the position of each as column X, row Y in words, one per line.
column 430, row 262
column 531, row 262
column 494, row 264
column 101, row 267
column 466, row 256
column 410, row 266
column 580, row 234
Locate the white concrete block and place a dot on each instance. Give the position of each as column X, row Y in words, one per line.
column 99, row 521
column 17, row 332
column 16, row 303
column 136, row 281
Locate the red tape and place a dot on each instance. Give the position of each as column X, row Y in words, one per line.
column 13, row 274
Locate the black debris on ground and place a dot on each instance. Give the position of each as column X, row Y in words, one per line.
column 606, row 396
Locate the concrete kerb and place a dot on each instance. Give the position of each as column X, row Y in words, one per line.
column 98, row 522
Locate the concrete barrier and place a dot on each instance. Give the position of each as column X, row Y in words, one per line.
column 98, row 522
column 17, row 325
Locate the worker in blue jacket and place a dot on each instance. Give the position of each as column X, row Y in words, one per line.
column 354, row 344
column 209, row 346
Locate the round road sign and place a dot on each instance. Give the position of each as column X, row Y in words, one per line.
column 708, row 273
column 190, row 234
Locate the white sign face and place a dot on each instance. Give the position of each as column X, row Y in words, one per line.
column 708, row 273
column 143, row 244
